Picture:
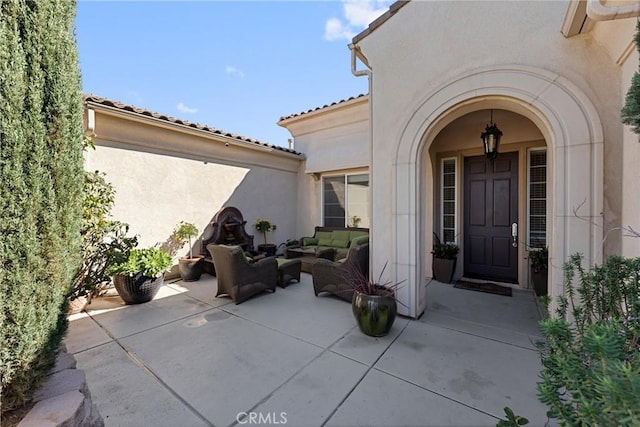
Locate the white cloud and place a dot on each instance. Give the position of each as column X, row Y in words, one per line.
column 334, row 29
column 357, row 15
column 184, row 109
column 233, row 71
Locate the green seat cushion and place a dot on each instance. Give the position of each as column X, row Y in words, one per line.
column 307, row 241
column 357, row 233
column 340, row 235
column 339, row 243
column 360, row 240
column 324, row 238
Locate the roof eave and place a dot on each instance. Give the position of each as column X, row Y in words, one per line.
column 393, row 9
column 237, row 141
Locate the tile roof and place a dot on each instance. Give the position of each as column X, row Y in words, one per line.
column 143, row 112
column 393, row 9
column 324, row 106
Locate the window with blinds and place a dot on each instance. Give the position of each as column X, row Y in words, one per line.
column 448, row 208
column 537, row 198
column 345, row 200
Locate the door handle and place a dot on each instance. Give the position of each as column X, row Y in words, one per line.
column 514, row 234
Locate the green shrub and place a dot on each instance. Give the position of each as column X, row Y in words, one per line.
column 150, row 262
column 184, row 231
column 102, row 238
column 40, row 196
column 591, row 356
column 630, row 114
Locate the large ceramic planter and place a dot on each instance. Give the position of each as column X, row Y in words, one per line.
column 540, row 281
column 374, row 313
column 443, row 269
column 137, row 289
column 191, row 268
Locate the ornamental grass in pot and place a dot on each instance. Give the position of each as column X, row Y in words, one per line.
column 374, row 304
column 139, row 273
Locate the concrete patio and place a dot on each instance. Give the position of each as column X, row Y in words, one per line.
column 190, row 359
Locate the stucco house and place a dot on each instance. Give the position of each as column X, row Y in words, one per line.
column 407, row 158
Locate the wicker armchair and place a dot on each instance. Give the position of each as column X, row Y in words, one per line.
column 238, row 278
column 332, row 276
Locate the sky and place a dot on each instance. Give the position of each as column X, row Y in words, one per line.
column 237, row 66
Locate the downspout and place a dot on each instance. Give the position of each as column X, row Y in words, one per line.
column 599, row 12
column 356, row 53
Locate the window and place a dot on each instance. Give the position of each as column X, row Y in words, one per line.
column 448, row 197
column 537, row 198
column 345, row 200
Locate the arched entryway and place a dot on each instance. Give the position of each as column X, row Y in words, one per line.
column 572, row 133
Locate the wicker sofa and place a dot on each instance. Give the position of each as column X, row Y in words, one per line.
column 333, row 240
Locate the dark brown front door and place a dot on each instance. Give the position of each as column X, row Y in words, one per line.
column 490, row 209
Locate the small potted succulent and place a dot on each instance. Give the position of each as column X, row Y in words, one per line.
column 445, row 256
column 190, row 267
column 264, row 226
column 139, row 273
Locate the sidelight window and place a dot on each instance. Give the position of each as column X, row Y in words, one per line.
column 537, row 200
column 448, row 207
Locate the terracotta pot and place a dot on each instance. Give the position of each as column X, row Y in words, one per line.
column 137, row 289
column 374, row 313
column 191, row 268
column 443, row 269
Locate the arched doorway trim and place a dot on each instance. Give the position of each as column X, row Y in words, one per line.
column 573, row 131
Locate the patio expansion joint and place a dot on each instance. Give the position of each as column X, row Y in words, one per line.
column 160, row 325
column 146, row 369
column 369, row 368
column 444, row 396
column 528, row 336
column 292, row 376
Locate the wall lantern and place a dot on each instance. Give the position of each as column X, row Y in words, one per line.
column 491, row 139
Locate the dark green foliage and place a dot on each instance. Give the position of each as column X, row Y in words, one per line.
column 40, row 196
column 591, row 357
column 150, row 262
column 102, row 238
column 631, row 110
column 444, row 250
column 512, row 419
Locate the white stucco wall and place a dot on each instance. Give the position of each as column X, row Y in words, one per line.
column 334, row 139
column 164, row 174
column 428, row 46
column 155, row 192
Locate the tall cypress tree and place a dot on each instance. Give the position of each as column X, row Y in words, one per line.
column 41, row 191
column 631, row 110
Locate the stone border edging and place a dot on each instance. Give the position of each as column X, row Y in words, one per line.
column 64, row 399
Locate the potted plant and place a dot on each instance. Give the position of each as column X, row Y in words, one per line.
column 445, row 256
column 139, row 273
column 539, row 258
column 264, row 226
column 190, row 267
column 374, row 304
